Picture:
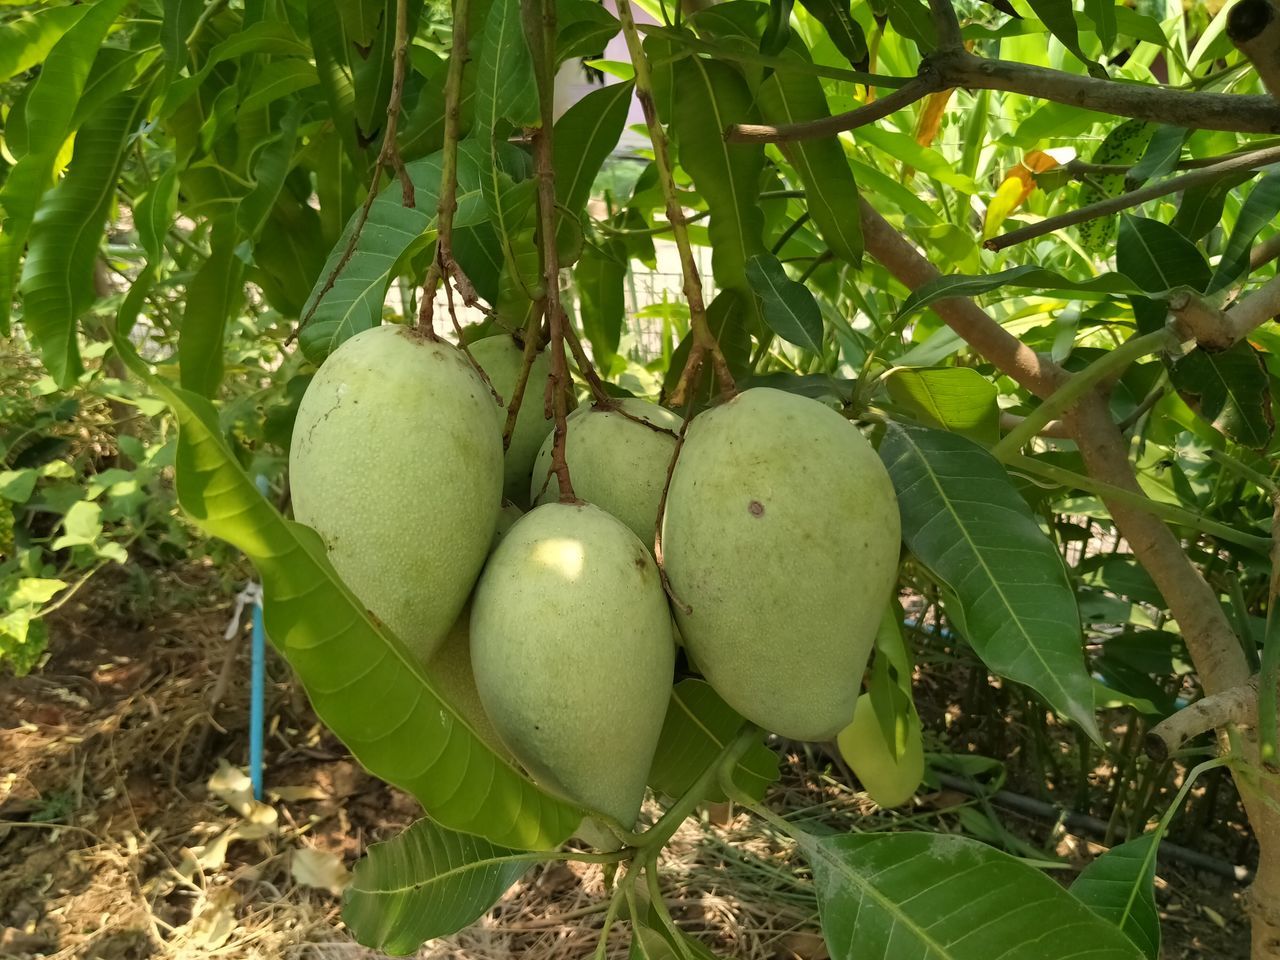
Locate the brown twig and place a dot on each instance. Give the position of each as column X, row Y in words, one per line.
column 947, row 24
column 662, row 509
column 1215, row 329
column 1237, row 705
column 1265, row 252
column 1162, row 188
column 586, row 367
column 530, row 348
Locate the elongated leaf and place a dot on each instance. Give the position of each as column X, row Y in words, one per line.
column 1026, row 275
column 697, row 727
column 958, row 399
column 279, row 78
column 1260, row 209
column 27, row 38
column 47, row 118
column 1230, row 390
column 786, row 305
column 1103, row 15
column 704, row 98
column 270, row 168
column 583, row 29
column 393, row 232
column 1200, row 209
column 113, row 71
column 179, row 19
column 364, row 683
column 963, row 518
column 1157, row 257
column 427, row 882
column 844, row 31
column 1060, row 17
column 1123, row 145
column 268, row 36
column 599, row 276
column 831, row 194
column 1161, row 156
column 372, row 66
column 57, row 277
column 585, row 135
column 331, row 51
column 888, row 896
column 505, row 88
column 213, row 295
column 1120, row 886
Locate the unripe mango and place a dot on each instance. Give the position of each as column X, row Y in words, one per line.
column 396, row 464
column 780, row 537
column 502, row 359
column 614, row 462
column 890, row 781
column 451, row 674
column 572, row 653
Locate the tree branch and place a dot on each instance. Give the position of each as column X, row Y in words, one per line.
column 919, row 88
column 1237, row 705
column 1215, row 329
column 1254, row 27
column 947, row 25
column 1244, row 162
column 1265, row 252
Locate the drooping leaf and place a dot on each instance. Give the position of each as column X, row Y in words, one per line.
column 505, row 88
column 1123, row 145
column 47, row 116
column 885, row 896
column 1103, row 15
column 599, row 276
column 1259, row 210
column 787, row 305
column 179, row 19
column 1161, row 155
column 831, row 194
column 1026, row 275
column 363, row 682
column 279, row 78
column 57, row 277
column 1060, row 17
column 1230, row 389
column 777, row 28
column 424, row 883
column 697, row 727
column 372, row 66
column 26, row 39
column 911, row 19
column 965, row 521
column 1158, row 258
column 959, row 399
column 270, row 167
column 585, row 135
column 844, row 31
column 213, row 295
column 1201, row 207
column 583, row 29
column 1120, row 886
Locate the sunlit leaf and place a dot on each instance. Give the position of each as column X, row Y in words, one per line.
column 1120, row 886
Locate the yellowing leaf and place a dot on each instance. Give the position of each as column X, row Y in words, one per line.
column 1014, row 190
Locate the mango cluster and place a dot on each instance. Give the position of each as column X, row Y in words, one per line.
column 549, row 631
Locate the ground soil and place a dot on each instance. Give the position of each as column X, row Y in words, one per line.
column 124, row 832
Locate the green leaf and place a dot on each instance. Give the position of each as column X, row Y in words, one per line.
column 372, row 66
column 1103, row 15
column 885, row 896
column 47, row 117
column 1060, row 17
column 81, row 527
column 364, row 683
column 831, row 195
column 1230, row 390
column 392, row 233
column 17, row 485
column 965, row 521
column 583, row 29
column 1201, row 207
column 360, row 19
column 427, row 882
column 34, row 591
column 958, row 399
column 57, row 278
column 213, row 295
column 505, row 87
column 600, row 275
column 1161, row 156
column 1157, row 257
column 585, row 135
column 277, row 79
column 1258, row 211
column 777, row 29
column 708, row 97
column 27, row 39
column 1123, row 145
column 1120, row 886
column 697, row 727
column 1026, row 275
column 179, row 20
column 844, row 31
column 911, row 19
column 270, row 167
column 786, row 305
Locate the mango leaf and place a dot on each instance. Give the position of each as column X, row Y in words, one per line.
column 1157, row 257
column 1060, row 17
column 1026, row 275
column 363, row 682
column 702, row 98
column 270, row 167
column 424, row 883
column 330, row 48
column 179, row 19
column 392, row 232
column 47, row 116
column 213, row 295
column 372, row 66
column 958, row 399
column 1200, row 209
column 697, row 727
column 965, row 521
column 1259, row 210
column 57, row 277
column 884, row 896
column 277, row 79
column 1103, row 15
column 1161, row 156
column 26, row 39
column 786, row 305
column 599, row 276
column 910, row 19
column 1230, row 390
column 1123, row 145
column 1120, row 886
column 831, row 194
column 505, row 88
column 844, row 31
column 583, row 29
column 585, row 135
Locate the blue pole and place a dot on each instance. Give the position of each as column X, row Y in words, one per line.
column 257, row 697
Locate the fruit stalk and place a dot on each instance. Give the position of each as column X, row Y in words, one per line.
column 514, row 402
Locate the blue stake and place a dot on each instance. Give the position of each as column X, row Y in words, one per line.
column 257, row 685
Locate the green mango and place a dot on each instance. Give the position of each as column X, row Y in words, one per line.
column 780, row 541
column 572, row 653
column 890, row 781
column 396, row 464
column 501, row 358
column 614, row 462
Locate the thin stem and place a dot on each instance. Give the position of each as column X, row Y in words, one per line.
column 516, row 399
column 586, row 367
column 662, row 509
column 917, row 89
column 1269, row 671
column 1066, row 395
